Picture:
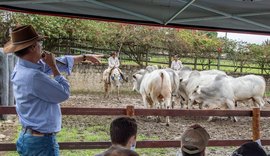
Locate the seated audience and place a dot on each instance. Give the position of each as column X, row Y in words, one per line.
column 250, row 149
column 123, row 132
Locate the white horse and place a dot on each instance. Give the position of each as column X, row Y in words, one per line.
column 115, row 80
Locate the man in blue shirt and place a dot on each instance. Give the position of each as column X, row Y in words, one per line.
column 37, row 94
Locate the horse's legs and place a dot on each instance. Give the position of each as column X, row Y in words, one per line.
column 118, row 94
column 109, row 89
column 106, row 89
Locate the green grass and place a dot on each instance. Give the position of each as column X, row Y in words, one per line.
column 98, row 133
column 204, row 61
column 90, row 133
column 215, row 149
column 14, row 141
column 267, row 93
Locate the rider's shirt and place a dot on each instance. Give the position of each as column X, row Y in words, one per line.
column 113, row 62
column 176, row 65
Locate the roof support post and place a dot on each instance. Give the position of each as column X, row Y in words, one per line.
column 179, row 12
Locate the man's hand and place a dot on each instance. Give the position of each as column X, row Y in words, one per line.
column 49, row 59
column 93, row 58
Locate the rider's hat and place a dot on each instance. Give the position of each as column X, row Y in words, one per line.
column 113, row 53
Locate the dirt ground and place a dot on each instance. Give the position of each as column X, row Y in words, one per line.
column 220, row 128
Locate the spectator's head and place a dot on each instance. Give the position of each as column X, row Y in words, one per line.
column 123, row 131
column 194, row 141
column 249, row 149
column 24, row 39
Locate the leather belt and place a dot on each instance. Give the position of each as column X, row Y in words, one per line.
column 36, row 133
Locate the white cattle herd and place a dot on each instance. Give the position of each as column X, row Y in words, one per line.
column 163, row 88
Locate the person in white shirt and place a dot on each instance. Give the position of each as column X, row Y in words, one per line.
column 176, row 64
column 113, row 62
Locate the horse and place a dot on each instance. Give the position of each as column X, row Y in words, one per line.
column 115, row 79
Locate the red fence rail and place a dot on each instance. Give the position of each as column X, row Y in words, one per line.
column 255, row 114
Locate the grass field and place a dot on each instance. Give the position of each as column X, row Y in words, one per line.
column 78, row 133
column 98, row 130
column 247, row 68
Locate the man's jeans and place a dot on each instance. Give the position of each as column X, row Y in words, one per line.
column 29, row 145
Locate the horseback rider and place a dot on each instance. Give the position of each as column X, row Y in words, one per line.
column 114, row 63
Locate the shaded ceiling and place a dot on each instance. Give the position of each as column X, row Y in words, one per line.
column 251, row 16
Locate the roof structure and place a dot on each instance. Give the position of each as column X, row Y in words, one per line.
column 250, row 16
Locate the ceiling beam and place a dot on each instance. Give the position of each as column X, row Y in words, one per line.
column 229, row 15
column 179, row 12
column 218, row 17
column 36, row 2
column 125, row 11
column 253, row 14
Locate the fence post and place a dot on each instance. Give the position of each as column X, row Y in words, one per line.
column 170, row 59
column 262, row 68
column 241, row 66
column 195, row 62
column 146, row 63
column 130, row 111
column 11, row 63
column 209, row 64
column 218, row 62
column 4, row 81
column 256, row 123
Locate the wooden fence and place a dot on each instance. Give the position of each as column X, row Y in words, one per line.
column 131, row 111
column 76, row 46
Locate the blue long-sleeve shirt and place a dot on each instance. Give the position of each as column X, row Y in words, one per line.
column 38, row 95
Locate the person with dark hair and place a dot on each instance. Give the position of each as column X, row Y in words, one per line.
column 176, row 63
column 37, row 95
column 123, row 132
column 194, row 141
column 250, row 149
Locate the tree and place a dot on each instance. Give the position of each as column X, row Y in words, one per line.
column 261, row 55
column 6, row 21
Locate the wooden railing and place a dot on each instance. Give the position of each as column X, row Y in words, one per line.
column 255, row 113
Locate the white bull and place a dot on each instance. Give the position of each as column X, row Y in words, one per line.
column 181, row 95
column 174, row 81
column 155, row 88
column 196, row 78
column 174, row 85
column 249, row 87
column 225, row 90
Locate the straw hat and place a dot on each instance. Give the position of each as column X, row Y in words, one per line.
column 194, row 139
column 21, row 37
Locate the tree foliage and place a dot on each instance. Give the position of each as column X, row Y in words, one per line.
column 134, row 40
column 5, row 23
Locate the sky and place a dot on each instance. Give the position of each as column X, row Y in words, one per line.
column 258, row 39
